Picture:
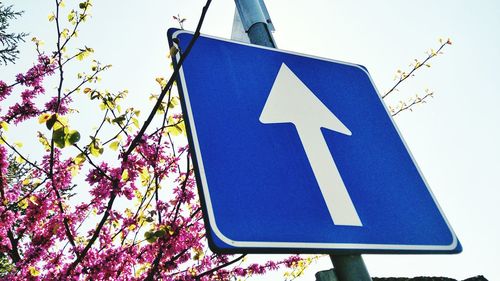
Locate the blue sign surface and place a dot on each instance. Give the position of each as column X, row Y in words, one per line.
column 296, row 153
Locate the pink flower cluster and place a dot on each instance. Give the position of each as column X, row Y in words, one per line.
column 32, row 80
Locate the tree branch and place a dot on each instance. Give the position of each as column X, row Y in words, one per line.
column 169, row 84
column 198, row 277
column 417, row 65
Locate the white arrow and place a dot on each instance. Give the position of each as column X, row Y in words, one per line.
column 290, row 101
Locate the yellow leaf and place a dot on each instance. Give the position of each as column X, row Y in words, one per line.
column 19, row 159
column 161, row 81
column 60, row 123
column 33, row 199
column 177, row 128
column 144, row 175
column 142, row 268
column 173, row 51
column 136, row 122
column 51, row 17
column 198, row 254
column 84, row 53
column 23, row 204
column 193, row 271
column 125, row 175
column 96, row 149
column 26, row 181
column 4, row 126
column 33, row 271
column 18, row 144
column 138, row 195
column 170, row 230
column 71, row 16
column 128, row 213
column 81, row 55
column 79, row 159
column 65, row 33
column 114, row 145
column 62, row 4
column 43, row 118
column 44, row 141
column 174, row 101
column 74, row 169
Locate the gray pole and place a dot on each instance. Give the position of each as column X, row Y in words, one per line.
column 257, row 23
column 259, row 34
column 350, row 268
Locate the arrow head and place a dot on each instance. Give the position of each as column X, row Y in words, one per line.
column 290, row 101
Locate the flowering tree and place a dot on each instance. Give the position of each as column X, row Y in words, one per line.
column 136, row 214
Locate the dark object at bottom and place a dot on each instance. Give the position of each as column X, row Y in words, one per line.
column 326, row 275
column 329, row 275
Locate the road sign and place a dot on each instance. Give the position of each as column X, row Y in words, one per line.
column 296, row 153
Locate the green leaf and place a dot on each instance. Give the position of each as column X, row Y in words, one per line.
column 150, row 237
column 73, row 137
column 119, row 119
column 160, row 233
column 59, row 137
column 52, row 120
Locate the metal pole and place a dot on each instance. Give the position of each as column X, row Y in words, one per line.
column 259, row 34
column 350, row 268
column 257, row 23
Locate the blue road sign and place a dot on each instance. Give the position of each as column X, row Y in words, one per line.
column 297, row 154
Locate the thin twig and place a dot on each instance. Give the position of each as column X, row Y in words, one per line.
column 169, row 84
column 418, row 65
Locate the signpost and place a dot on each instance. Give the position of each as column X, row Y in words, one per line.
column 298, row 154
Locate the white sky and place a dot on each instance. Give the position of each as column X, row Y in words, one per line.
column 454, row 138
